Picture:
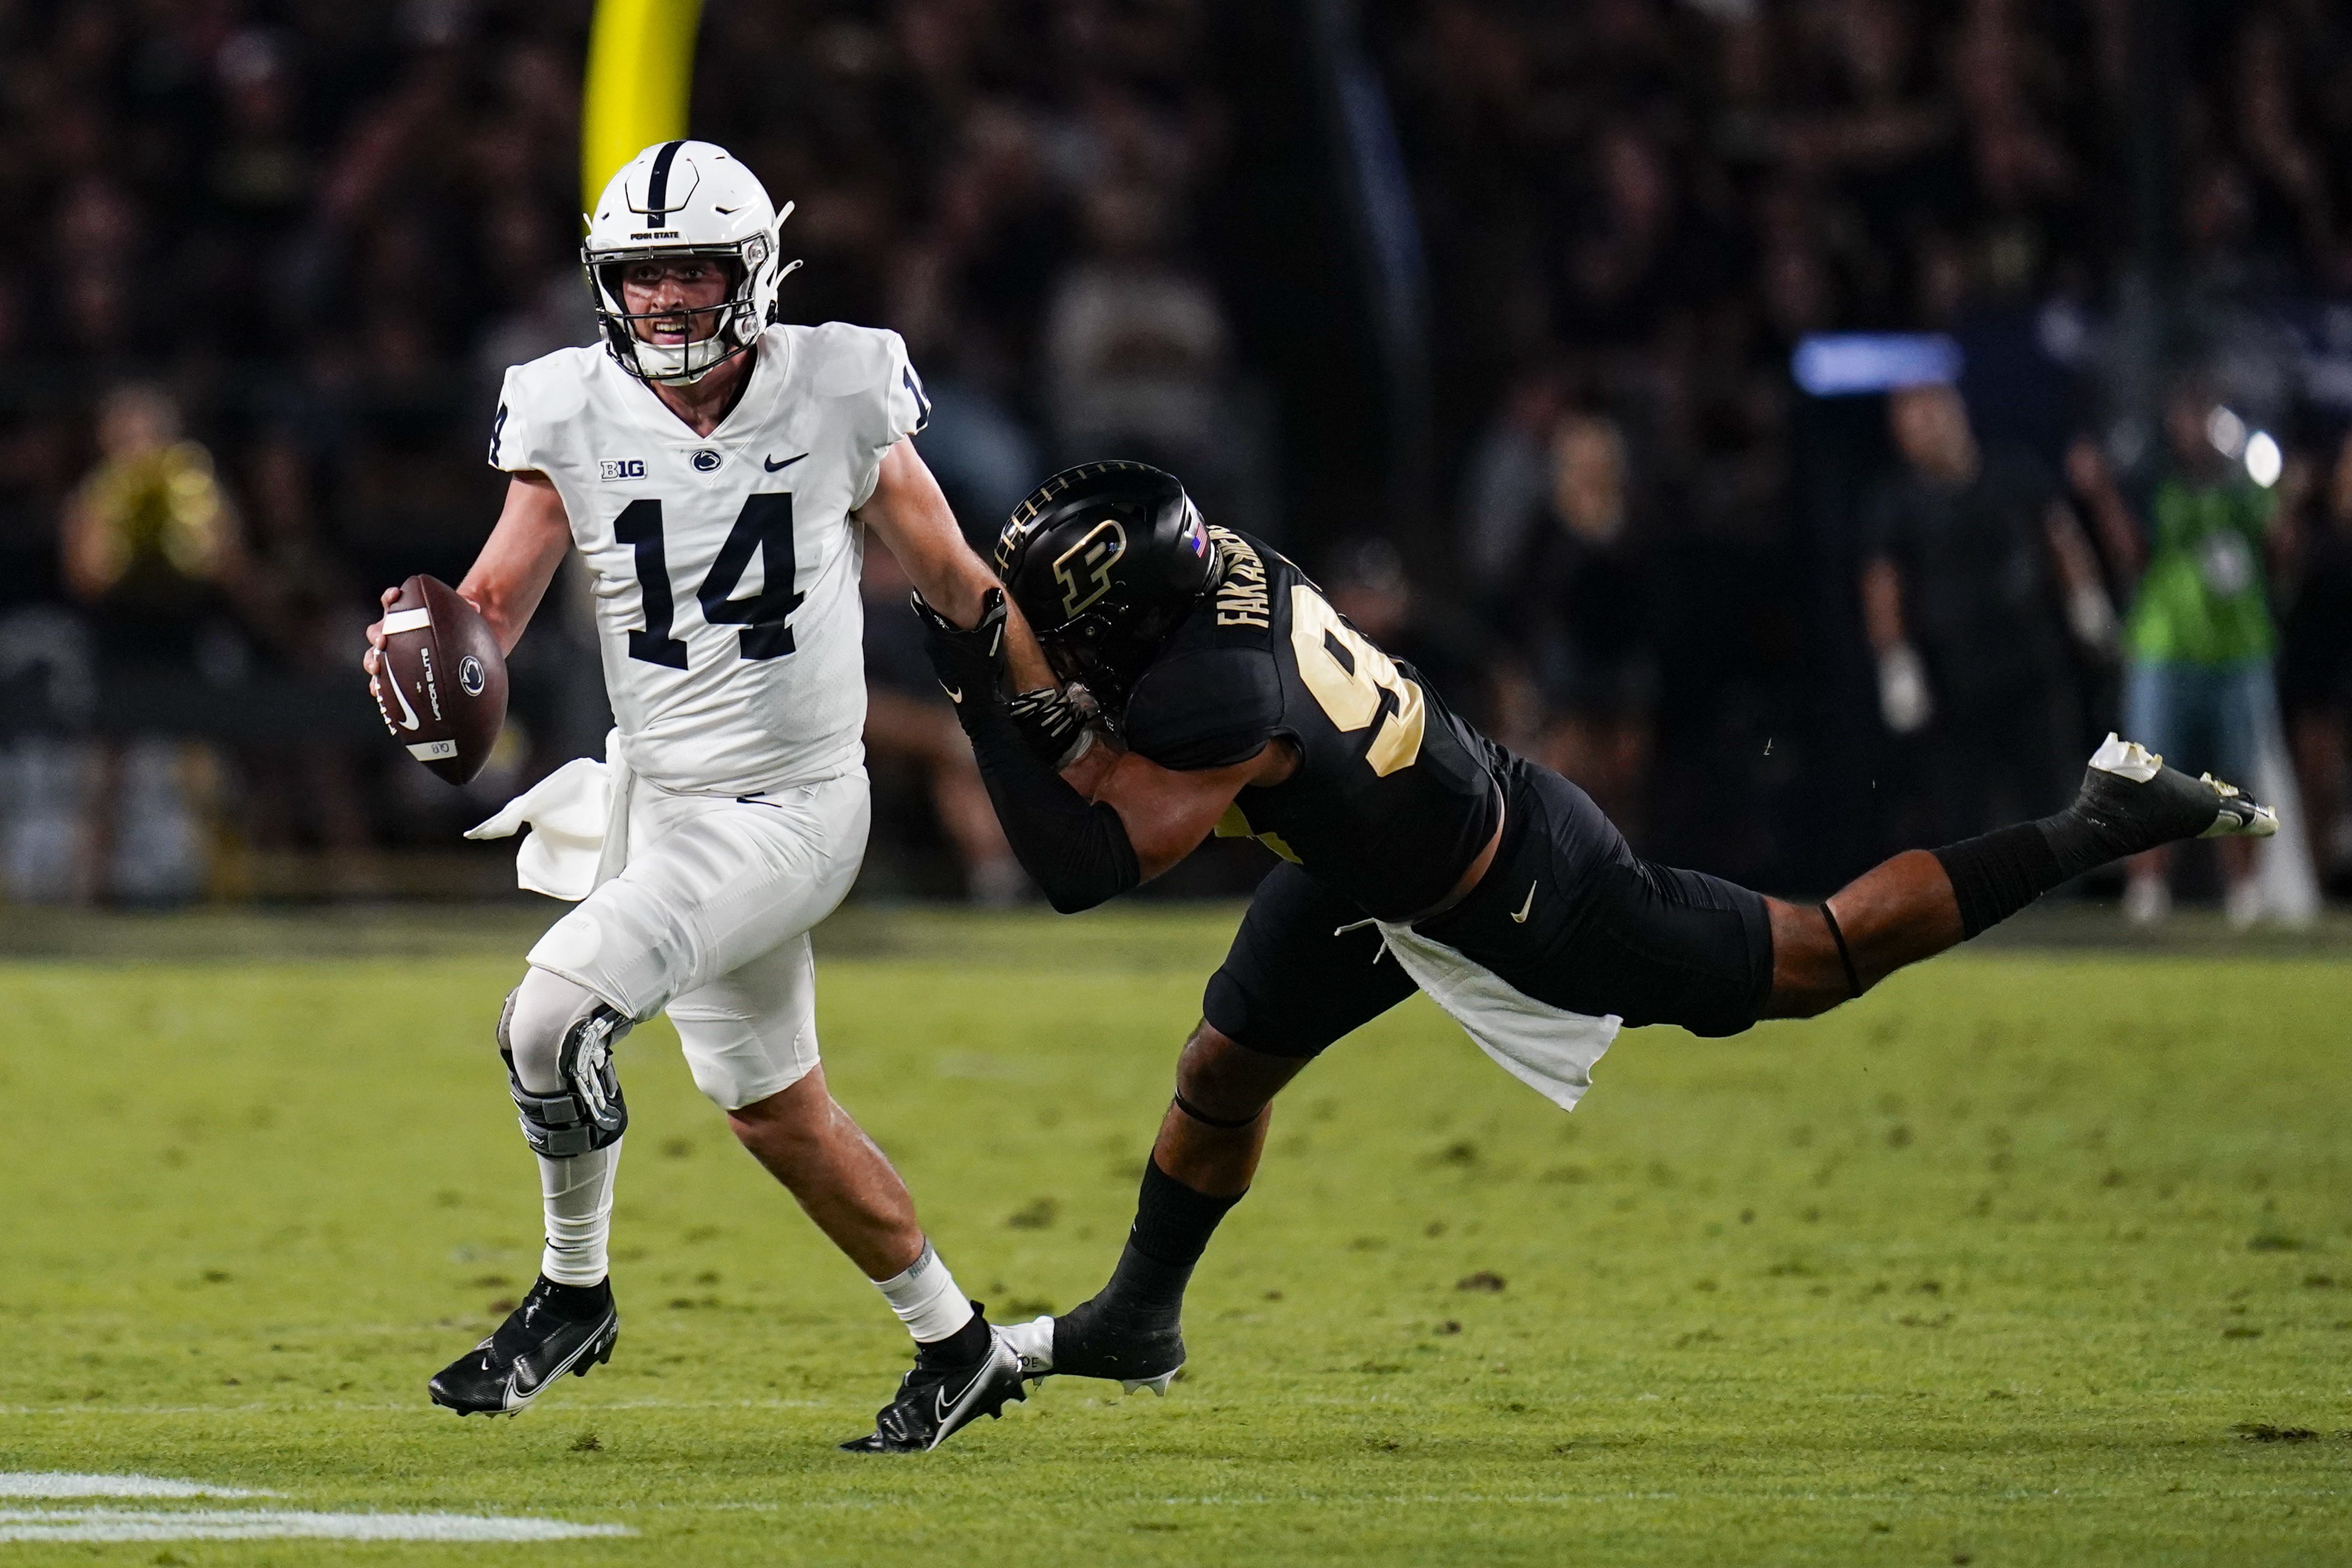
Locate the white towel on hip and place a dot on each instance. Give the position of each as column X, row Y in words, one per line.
column 1548, row 1049
column 578, row 817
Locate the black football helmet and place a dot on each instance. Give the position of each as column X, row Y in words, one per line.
column 1103, row 560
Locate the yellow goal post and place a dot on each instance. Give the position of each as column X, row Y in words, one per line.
column 640, row 73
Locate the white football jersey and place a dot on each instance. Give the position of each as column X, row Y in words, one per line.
column 724, row 566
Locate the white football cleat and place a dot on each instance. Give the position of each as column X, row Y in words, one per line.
column 1033, row 1342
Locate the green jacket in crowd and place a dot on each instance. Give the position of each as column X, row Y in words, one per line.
column 2205, row 599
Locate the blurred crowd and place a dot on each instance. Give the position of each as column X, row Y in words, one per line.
column 277, row 252
column 284, row 252
column 1747, row 617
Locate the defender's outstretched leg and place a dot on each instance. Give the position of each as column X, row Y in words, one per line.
column 1923, row 901
column 1200, row 1165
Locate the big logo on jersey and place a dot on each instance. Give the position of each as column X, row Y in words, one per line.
column 1084, row 569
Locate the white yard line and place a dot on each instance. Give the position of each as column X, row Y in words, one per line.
column 69, row 1483
column 270, row 1524
column 581, row 1404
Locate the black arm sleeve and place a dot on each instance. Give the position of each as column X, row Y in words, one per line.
column 1078, row 849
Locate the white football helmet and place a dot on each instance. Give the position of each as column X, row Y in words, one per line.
column 685, row 198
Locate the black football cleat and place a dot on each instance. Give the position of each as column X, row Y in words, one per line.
column 934, row 1402
column 2135, row 802
column 558, row 1329
column 1092, row 1341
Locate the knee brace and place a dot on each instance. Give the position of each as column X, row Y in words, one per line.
column 587, row 1113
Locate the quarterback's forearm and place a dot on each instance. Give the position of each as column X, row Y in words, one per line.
column 1024, row 656
column 912, row 518
column 519, row 560
column 506, row 604
column 965, row 583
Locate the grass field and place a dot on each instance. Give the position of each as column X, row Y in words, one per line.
column 2025, row 1258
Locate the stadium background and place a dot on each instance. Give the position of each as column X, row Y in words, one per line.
column 1487, row 312
column 1522, row 325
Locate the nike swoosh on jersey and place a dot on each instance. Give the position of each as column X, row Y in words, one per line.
column 773, row 466
column 1525, row 909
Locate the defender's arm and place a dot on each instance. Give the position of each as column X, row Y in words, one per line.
column 1167, row 813
column 910, row 515
column 1140, row 819
column 516, row 563
column 1109, row 823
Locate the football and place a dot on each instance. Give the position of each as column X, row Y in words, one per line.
column 442, row 687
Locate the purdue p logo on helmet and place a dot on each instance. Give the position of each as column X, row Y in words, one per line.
column 1084, row 569
column 678, row 199
column 1103, row 560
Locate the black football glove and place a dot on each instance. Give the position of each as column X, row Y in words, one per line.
column 969, row 662
column 1051, row 723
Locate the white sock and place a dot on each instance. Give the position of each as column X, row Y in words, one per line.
column 926, row 1297
column 578, row 1194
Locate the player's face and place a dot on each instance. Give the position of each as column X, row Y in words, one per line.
column 677, row 299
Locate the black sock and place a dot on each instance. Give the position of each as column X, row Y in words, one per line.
column 576, row 1303
column 2085, row 840
column 1172, row 1222
column 1999, row 873
column 1172, row 1227
column 962, row 1348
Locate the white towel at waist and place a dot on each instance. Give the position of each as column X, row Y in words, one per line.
column 1548, row 1049
column 578, row 817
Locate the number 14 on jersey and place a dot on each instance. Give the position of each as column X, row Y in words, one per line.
column 765, row 524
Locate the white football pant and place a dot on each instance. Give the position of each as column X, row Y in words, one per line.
column 708, row 919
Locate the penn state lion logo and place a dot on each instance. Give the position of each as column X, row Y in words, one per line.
column 1084, row 569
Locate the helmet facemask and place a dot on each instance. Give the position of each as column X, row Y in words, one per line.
column 734, row 323
column 1105, row 651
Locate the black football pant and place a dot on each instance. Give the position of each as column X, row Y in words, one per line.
column 1568, row 915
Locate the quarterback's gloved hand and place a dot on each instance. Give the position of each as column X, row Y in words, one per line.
column 969, row 661
column 1049, row 720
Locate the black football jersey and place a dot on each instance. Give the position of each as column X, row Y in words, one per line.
column 1393, row 797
